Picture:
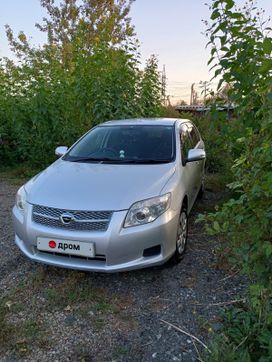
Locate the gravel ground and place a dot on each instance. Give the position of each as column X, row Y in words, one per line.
column 51, row 314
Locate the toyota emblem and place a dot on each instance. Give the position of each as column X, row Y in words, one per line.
column 66, row 218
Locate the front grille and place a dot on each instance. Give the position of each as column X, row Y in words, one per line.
column 80, row 220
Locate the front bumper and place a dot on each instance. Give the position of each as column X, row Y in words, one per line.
column 116, row 249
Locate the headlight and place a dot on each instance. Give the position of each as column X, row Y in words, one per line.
column 21, row 200
column 146, row 211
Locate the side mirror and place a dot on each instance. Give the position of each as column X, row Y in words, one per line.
column 196, row 154
column 61, row 150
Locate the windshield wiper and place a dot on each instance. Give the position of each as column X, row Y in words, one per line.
column 148, row 161
column 144, row 161
column 90, row 159
column 119, row 160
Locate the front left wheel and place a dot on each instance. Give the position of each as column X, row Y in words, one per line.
column 182, row 235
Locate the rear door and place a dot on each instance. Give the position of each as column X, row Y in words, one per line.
column 189, row 170
column 196, row 142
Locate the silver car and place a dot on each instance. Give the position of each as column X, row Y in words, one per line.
column 117, row 200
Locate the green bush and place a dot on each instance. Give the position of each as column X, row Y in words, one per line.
column 247, row 335
column 217, row 132
column 170, row 112
column 75, row 81
column 241, row 51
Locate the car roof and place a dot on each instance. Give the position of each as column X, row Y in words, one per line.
column 145, row 122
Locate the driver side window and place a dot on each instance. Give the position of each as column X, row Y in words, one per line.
column 186, row 145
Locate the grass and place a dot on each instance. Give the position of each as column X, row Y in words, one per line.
column 19, row 173
column 6, row 330
column 82, row 353
column 103, row 307
column 18, row 335
column 59, row 298
column 27, row 310
column 120, row 351
column 31, row 331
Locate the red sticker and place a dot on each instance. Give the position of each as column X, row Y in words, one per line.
column 52, row 244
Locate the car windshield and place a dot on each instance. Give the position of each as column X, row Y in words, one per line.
column 125, row 144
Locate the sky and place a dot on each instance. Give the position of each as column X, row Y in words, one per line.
column 170, row 29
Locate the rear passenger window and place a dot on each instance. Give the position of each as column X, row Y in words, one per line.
column 193, row 134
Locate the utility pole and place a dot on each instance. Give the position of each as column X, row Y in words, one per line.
column 195, row 98
column 205, row 88
column 192, row 94
column 163, row 81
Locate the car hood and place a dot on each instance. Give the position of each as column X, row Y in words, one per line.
column 92, row 186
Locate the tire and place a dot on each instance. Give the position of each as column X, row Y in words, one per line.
column 182, row 236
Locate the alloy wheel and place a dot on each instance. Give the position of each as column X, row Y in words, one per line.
column 182, row 233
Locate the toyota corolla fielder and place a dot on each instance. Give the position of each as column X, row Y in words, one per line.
column 118, row 199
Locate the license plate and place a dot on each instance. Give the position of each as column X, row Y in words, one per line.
column 66, row 247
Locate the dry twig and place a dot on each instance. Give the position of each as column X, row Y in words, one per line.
column 186, row 350
column 197, row 351
column 220, row 303
column 187, row 334
column 229, row 276
column 240, row 344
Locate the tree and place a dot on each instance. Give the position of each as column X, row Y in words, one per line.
column 86, row 73
column 74, row 26
column 182, row 103
column 150, row 89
